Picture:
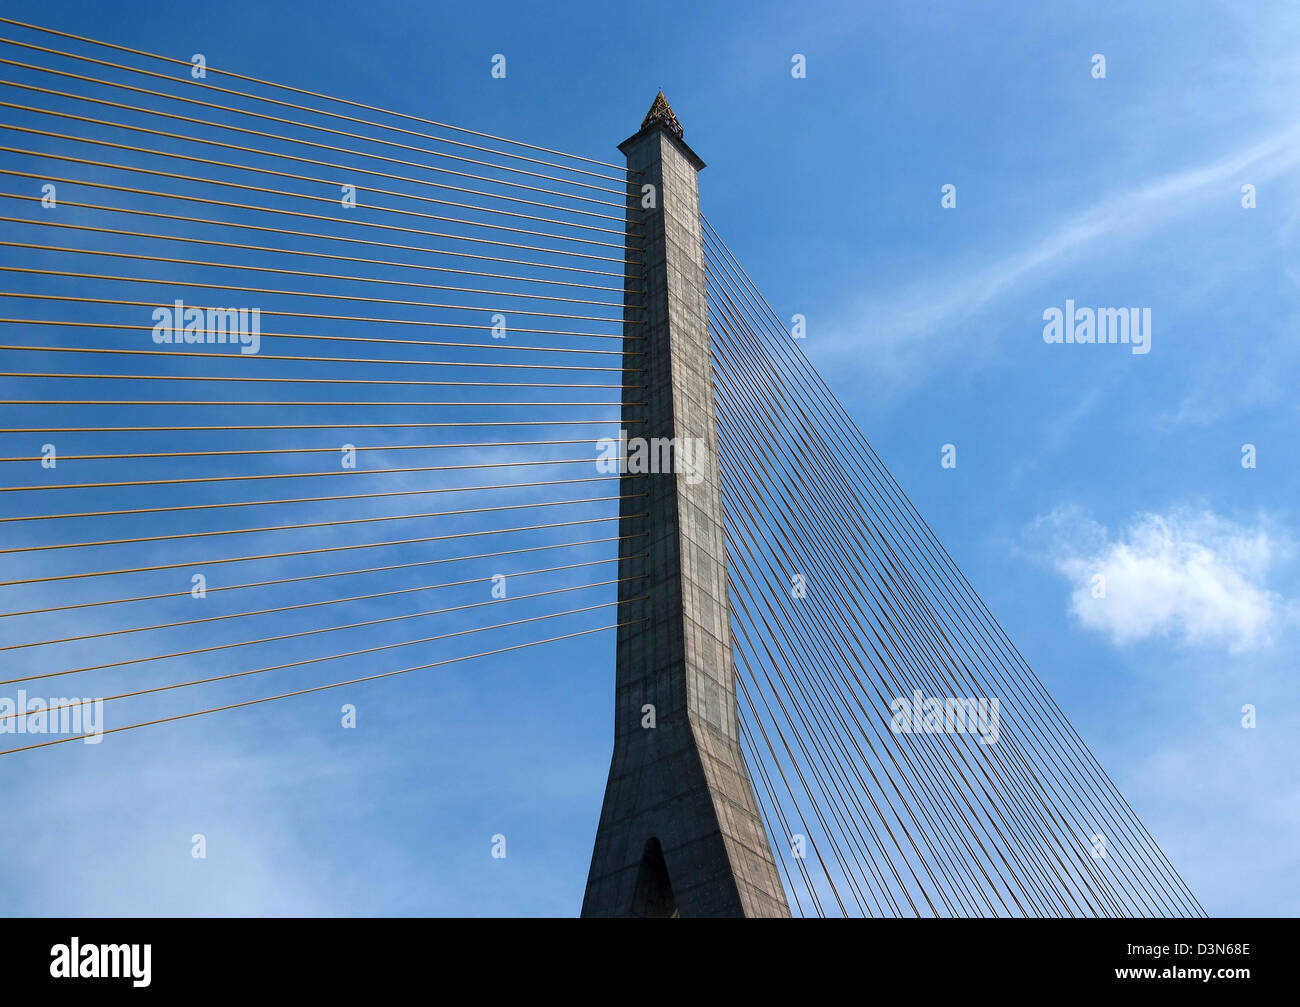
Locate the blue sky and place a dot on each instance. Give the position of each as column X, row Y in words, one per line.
column 926, row 321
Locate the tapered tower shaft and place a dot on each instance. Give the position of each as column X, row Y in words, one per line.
column 680, row 832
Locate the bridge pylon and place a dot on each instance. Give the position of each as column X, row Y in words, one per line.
column 680, row 832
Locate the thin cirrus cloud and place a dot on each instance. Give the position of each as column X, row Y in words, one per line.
column 904, row 328
column 1189, row 575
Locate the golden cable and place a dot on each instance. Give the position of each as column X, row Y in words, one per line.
column 54, row 134
column 137, row 211
column 283, row 402
column 356, row 625
column 298, row 526
column 29, row 270
column 311, row 94
column 301, row 475
column 300, row 314
column 216, row 125
column 307, row 108
column 318, row 688
column 17, row 347
column 140, row 256
column 325, row 576
column 311, row 604
column 499, row 345
column 39, row 222
column 322, row 426
column 275, row 136
column 310, row 381
column 313, row 381
column 330, row 657
column 282, row 174
column 312, row 552
column 299, row 451
column 209, row 201
column 222, row 504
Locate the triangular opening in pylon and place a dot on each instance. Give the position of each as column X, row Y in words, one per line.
column 654, row 897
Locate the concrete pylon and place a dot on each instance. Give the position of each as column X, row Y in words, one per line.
column 680, row 832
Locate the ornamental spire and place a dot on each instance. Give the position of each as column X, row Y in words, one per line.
column 661, row 113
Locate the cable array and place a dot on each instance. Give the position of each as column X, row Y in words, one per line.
column 297, row 393
column 845, row 607
column 410, row 468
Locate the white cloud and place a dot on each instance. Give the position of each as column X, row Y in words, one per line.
column 1190, row 575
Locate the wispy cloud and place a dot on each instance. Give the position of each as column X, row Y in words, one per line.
column 903, row 329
